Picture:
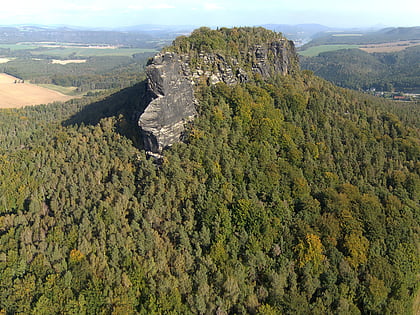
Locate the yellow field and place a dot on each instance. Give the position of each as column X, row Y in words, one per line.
column 5, row 60
column 389, row 47
column 65, row 62
column 13, row 95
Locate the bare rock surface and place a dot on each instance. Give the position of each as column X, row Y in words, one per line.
column 171, row 105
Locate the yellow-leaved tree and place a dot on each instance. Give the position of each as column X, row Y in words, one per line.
column 310, row 250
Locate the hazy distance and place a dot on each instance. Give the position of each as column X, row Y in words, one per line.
column 112, row 13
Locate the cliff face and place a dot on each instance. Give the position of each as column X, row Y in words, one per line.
column 171, row 77
column 276, row 57
column 171, row 102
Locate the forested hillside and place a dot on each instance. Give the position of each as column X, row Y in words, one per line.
column 356, row 69
column 96, row 73
column 288, row 195
column 389, row 34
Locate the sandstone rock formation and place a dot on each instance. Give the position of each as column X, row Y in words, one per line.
column 171, row 77
column 278, row 57
column 171, row 105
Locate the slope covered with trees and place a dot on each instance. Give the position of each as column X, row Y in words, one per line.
column 385, row 35
column 289, row 195
column 356, row 69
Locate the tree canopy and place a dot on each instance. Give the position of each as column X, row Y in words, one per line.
column 289, row 195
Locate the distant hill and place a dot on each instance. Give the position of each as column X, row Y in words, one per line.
column 357, row 69
column 135, row 38
column 400, row 33
column 363, row 37
column 392, row 61
column 300, row 34
column 159, row 30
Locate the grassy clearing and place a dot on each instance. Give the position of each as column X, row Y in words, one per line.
column 17, row 46
column 316, row 50
column 66, row 90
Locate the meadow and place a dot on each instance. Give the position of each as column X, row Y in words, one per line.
column 316, row 50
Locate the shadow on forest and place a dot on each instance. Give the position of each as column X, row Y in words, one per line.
column 129, row 104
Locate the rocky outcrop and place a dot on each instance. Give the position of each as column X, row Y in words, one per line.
column 171, row 104
column 277, row 57
column 171, row 78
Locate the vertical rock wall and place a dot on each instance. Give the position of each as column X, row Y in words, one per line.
column 171, row 105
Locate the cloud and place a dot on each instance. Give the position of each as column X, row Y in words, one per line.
column 162, row 6
column 136, row 7
column 157, row 6
column 210, row 6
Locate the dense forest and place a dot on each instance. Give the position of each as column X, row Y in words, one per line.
column 98, row 72
column 356, row 69
column 288, row 195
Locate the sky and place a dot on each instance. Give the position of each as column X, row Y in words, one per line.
column 117, row 13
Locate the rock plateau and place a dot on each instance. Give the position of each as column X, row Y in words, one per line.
column 171, row 77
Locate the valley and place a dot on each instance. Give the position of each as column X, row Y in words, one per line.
column 383, row 62
column 73, row 62
column 218, row 177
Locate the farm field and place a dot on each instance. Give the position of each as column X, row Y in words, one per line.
column 18, row 46
column 90, row 52
column 389, row 47
column 66, row 62
column 316, row 50
column 65, row 50
column 347, row 35
column 5, row 60
column 371, row 48
column 14, row 95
